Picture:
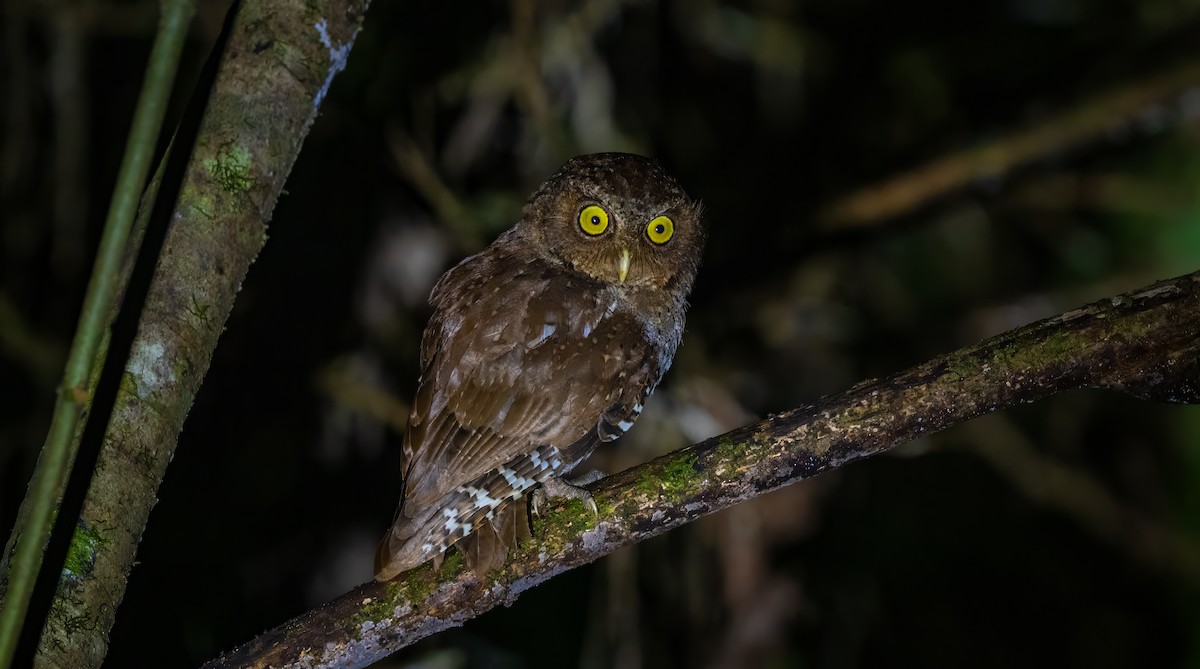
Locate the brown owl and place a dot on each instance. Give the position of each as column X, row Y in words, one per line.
column 540, row 347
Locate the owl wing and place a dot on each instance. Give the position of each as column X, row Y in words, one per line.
column 540, row 365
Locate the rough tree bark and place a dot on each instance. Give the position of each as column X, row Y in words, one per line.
column 278, row 63
column 1145, row 343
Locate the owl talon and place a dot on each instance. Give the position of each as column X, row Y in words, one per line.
column 587, row 479
column 557, row 487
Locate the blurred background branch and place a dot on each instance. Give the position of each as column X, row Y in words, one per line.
column 1150, row 101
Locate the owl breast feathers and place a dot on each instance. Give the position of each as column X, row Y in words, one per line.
column 542, row 346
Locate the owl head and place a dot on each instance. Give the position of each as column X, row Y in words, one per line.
column 620, row 219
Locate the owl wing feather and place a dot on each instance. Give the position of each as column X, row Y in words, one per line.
column 539, row 360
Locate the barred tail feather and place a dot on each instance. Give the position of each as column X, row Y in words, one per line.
column 490, row 512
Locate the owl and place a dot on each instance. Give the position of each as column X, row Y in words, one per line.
column 541, row 347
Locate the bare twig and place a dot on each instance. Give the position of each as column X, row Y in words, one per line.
column 1143, row 343
column 363, row 397
column 1089, row 121
column 20, row 343
column 425, row 180
column 67, row 78
column 529, row 87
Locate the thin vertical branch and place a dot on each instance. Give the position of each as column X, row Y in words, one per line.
column 278, row 63
column 27, row 544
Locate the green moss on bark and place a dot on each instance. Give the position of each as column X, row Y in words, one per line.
column 231, row 169
column 674, row 480
column 81, row 554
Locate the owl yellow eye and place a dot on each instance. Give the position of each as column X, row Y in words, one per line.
column 660, row 230
column 593, row 220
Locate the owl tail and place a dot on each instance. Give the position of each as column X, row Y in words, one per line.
column 487, row 548
column 493, row 505
column 483, row 550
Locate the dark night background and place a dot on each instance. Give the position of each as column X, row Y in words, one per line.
column 983, row 546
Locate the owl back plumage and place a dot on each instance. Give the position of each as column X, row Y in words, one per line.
column 535, row 354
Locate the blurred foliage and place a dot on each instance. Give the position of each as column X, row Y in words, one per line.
column 427, row 145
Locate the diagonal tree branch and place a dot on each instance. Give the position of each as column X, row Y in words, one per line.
column 1145, row 343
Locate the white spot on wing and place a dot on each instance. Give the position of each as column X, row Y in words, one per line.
column 481, row 497
column 518, row 483
column 547, row 330
column 452, row 523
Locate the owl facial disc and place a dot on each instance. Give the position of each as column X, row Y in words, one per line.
column 623, row 265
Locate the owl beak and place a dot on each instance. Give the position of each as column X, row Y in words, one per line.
column 623, row 265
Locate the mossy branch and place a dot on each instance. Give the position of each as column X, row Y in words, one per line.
column 1145, row 343
column 278, row 63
